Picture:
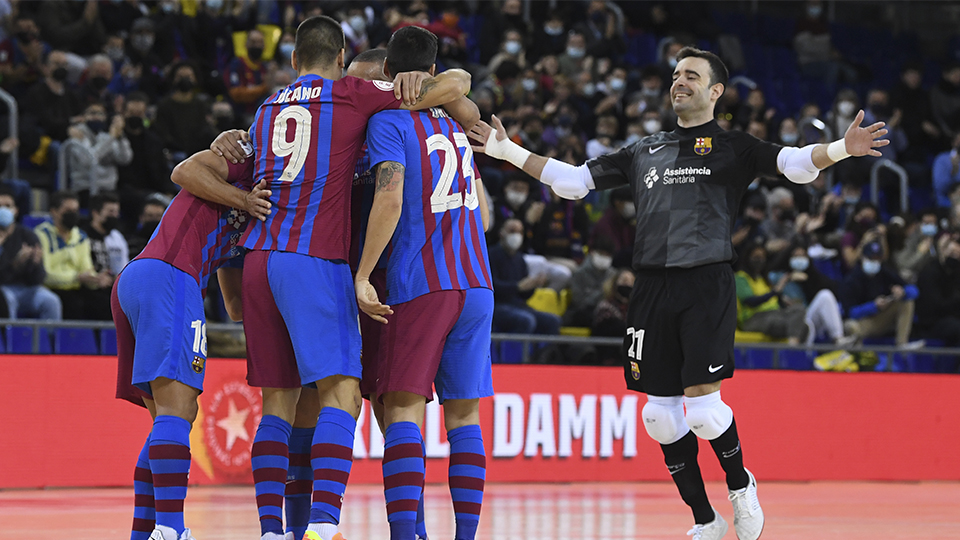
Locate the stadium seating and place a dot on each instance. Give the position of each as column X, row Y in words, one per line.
column 75, row 341
column 108, row 341
column 20, row 340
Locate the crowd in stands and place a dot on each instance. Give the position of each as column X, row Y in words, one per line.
column 112, row 95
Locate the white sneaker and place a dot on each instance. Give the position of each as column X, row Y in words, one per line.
column 162, row 532
column 747, row 515
column 288, row 536
column 275, row 536
column 711, row 531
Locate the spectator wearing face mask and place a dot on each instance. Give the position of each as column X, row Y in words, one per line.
column 144, row 60
column 182, row 116
column 788, row 134
column 21, row 56
column 614, row 86
column 67, row 258
column 863, row 229
column 559, row 234
column 618, row 223
column 815, row 53
column 586, row 285
column 610, row 317
column 651, row 122
column 550, row 39
column 605, row 140
column 918, row 245
column 21, row 268
column 72, row 26
column 99, row 74
column 779, row 228
column 878, row 109
column 246, row 76
column 145, row 174
column 762, row 305
column 511, row 50
column 747, row 230
column 938, row 303
column 878, row 301
column 603, row 28
column 807, row 286
column 573, row 59
column 516, row 203
column 108, row 250
column 147, row 222
column 51, row 103
column 513, row 284
column 355, row 31
column 97, row 150
column 946, row 173
column 945, row 100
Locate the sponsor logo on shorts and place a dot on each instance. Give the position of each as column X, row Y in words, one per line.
column 712, row 369
column 635, row 370
column 197, row 364
column 703, row 146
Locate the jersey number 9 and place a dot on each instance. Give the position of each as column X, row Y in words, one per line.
column 442, row 200
column 298, row 148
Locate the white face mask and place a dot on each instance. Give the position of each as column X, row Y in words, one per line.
column 589, row 89
column 651, row 126
column 799, row 264
column 358, row 23
column 515, row 198
column 617, row 84
column 513, row 241
column 845, row 108
column 673, row 62
column 529, row 85
column 629, row 210
column 512, row 47
column 789, row 139
column 871, row 267
column 553, row 30
column 575, row 52
column 602, row 262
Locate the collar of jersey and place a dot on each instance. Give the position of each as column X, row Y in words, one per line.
column 703, row 129
column 307, row 77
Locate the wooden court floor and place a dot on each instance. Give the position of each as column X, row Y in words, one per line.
column 795, row 511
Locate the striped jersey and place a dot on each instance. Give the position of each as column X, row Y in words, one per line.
column 307, row 139
column 439, row 243
column 198, row 236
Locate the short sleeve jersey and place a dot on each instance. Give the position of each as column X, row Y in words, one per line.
column 439, row 243
column 199, row 236
column 307, row 139
column 687, row 186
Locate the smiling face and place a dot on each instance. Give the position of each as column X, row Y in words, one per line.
column 691, row 92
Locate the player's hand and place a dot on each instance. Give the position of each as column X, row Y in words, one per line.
column 230, row 145
column 257, row 201
column 406, row 86
column 369, row 301
column 489, row 137
column 862, row 141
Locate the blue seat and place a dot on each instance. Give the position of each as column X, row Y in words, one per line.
column 796, row 360
column 20, row 340
column 30, row 222
column 753, row 358
column 511, row 352
column 108, row 342
column 75, row 341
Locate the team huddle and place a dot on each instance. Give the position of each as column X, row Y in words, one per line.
column 360, row 193
column 350, row 179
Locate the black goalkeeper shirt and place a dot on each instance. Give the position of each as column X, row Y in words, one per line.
column 687, row 186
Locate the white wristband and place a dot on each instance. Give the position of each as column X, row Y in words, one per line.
column 506, row 150
column 837, row 150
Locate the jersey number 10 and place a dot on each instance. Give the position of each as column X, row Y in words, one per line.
column 442, row 200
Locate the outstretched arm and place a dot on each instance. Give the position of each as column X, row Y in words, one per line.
column 205, row 175
column 566, row 180
column 384, row 216
column 803, row 165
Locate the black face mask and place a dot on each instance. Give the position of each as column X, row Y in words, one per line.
column 255, row 53
column 97, row 126
column 27, row 37
column 69, row 219
column 952, row 265
column 111, row 223
column 788, row 215
column 99, row 83
column 880, row 110
column 757, row 264
column 134, row 123
column 60, row 74
column 183, row 85
column 624, row 290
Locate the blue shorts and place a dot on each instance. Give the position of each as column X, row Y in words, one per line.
column 164, row 306
column 441, row 338
column 318, row 303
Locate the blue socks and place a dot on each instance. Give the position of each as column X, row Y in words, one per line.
column 144, row 516
column 269, row 459
column 299, row 488
column 403, row 471
column 331, row 457
column 170, row 463
column 466, row 475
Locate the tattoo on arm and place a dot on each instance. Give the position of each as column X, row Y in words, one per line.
column 426, row 87
column 389, row 176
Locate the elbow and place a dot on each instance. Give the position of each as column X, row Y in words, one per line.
column 181, row 173
column 234, row 311
column 471, row 120
column 464, row 79
column 799, row 175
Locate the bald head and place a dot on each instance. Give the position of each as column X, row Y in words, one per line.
column 368, row 65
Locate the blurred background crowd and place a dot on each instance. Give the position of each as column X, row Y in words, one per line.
column 111, row 95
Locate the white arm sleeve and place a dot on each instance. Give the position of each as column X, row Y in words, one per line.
column 797, row 164
column 566, row 180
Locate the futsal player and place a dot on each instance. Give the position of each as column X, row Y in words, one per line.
column 682, row 316
column 157, row 304
column 307, row 139
column 429, row 201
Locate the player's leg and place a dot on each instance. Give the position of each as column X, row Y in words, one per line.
column 707, row 331
column 299, row 487
column 270, row 457
column 169, row 453
column 465, row 376
column 652, row 356
column 403, row 463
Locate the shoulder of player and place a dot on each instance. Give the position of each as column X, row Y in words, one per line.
column 652, row 143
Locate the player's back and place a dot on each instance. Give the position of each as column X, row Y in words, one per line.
column 198, row 236
column 439, row 242
column 307, row 139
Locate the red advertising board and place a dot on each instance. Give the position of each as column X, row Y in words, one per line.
column 60, row 426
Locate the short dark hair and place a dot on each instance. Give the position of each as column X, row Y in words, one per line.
column 718, row 70
column 318, row 42
column 138, row 97
column 58, row 198
column 370, row 56
column 604, row 244
column 411, row 48
column 7, row 191
column 99, row 200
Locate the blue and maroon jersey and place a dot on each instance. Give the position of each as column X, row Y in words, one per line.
column 439, row 243
column 199, row 236
column 307, row 139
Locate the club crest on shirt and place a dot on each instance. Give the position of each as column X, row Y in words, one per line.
column 635, row 370
column 703, row 146
column 236, row 218
column 197, row 364
column 651, row 177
